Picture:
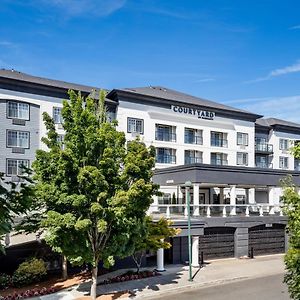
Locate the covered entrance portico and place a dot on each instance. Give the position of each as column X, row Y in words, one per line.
column 236, row 198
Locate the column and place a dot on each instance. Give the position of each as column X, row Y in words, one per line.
column 196, row 200
column 271, row 195
column 195, row 251
column 160, row 260
column 271, row 199
column 241, row 242
column 233, row 200
column 252, row 196
column 154, row 206
column 247, row 195
column 180, row 199
column 221, row 195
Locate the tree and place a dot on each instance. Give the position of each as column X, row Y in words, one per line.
column 151, row 235
column 291, row 200
column 292, row 258
column 96, row 188
column 15, row 199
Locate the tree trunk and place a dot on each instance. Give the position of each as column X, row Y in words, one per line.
column 94, row 282
column 64, row 267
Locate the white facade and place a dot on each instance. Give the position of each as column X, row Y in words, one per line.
column 153, row 116
column 180, row 138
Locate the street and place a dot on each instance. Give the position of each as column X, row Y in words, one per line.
column 263, row 288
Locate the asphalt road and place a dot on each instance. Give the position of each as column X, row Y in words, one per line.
column 264, row 288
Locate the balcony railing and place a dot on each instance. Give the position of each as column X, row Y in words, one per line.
column 165, row 136
column 193, row 139
column 177, row 211
column 266, row 148
column 264, row 165
column 219, row 142
column 192, row 160
column 219, row 162
column 166, row 159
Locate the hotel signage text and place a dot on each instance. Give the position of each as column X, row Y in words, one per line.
column 201, row 114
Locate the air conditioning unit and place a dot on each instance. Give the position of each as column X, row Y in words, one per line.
column 135, row 135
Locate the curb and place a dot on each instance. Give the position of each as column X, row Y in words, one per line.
column 196, row 285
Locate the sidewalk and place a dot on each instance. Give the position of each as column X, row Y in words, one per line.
column 175, row 278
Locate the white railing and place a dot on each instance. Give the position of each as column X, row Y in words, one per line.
column 216, row 210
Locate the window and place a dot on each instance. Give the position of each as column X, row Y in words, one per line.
column 192, row 157
column 242, row 139
column 263, row 161
column 135, row 125
column 18, row 139
column 283, row 144
column 242, row 159
column 218, row 159
column 218, row 139
column 60, row 140
column 165, row 156
column 193, row 136
column 283, row 162
column 165, row 133
column 14, row 167
column 18, row 110
column 57, row 117
column 297, row 165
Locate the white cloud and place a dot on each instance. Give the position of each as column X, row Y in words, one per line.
column 295, row 27
column 286, row 108
column 86, row 7
column 294, row 68
column 204, row 80
column 7, row 44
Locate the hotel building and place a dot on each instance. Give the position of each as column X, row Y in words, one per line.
column 233, row 158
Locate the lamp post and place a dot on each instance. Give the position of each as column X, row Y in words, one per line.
column 188, row 185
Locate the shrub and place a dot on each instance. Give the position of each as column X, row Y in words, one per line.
column 5, row 281
column 30, row 271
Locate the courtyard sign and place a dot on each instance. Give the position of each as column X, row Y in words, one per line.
column 201, row 114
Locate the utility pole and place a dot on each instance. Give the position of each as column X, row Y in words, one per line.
column 188, row 185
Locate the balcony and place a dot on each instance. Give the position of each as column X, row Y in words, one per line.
column 166, row 159
column 264, row 148
column 179, row 211
column 192, row 160
column 219, row 142
column 193, row 139
column 165, row 136
column 219, row 162
column 264, row 165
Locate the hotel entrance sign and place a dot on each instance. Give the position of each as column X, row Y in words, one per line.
column 201, row 114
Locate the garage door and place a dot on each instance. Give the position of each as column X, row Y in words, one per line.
column 267, row 239
column 217, row 242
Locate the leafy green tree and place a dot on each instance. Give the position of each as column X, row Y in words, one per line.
column 94, row 189
column 150, row 235
column 15, row 199
column 292, row 258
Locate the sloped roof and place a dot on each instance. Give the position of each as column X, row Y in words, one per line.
column 270, row 122
column 16, row 75
column 172, row 95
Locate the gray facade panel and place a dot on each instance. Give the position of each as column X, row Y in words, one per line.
column 222, row 175
column 31, row 126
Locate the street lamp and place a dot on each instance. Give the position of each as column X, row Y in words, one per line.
column 188, row 185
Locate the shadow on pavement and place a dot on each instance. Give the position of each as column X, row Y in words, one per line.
column 134, row 286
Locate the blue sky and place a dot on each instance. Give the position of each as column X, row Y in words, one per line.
column 241, row 53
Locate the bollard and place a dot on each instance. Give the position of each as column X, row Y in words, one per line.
column 251, row 253
column 201, row 258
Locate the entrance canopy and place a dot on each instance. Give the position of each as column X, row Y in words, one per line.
column 222, row 175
